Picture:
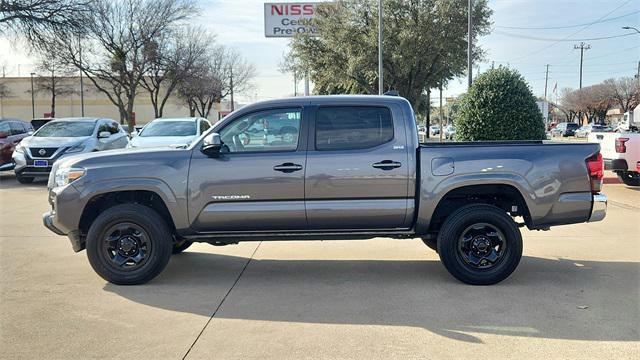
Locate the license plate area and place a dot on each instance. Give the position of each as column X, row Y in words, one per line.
column 40, row 163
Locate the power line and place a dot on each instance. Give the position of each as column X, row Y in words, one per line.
column 563, row 39
column 572, row 34
column 567, row 26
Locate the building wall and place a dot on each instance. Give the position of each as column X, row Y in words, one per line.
column 96, row 104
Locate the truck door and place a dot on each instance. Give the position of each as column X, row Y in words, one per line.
column 257, row 182
column 357, row 172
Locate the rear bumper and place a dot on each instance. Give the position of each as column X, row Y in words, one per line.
column 599, row 207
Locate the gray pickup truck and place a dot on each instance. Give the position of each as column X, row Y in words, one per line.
column 326, row 167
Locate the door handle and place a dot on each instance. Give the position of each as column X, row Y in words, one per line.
column 287, row 167
column 387, row 165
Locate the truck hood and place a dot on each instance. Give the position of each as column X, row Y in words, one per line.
column 53, row 142
column 160, row 141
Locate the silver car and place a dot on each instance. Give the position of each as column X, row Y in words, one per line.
column 36, row 154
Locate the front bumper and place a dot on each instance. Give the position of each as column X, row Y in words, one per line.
column 599, row 207
column 64, row 216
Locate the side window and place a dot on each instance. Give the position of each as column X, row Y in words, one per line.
column 204, row 126
column 102, row 126
column 269, row 130
column 5, row 128
column 27, row 127
column 16, row 128
column 352, row 127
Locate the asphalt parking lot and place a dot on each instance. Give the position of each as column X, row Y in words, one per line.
column 576, row 294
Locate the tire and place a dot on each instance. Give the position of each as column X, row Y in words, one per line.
column 24, row 179
column 630, row 178
column 181, row 246
column 432, row 243
column 140, row 233
column 497, row 226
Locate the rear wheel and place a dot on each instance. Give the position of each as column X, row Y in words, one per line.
column 129, row 244
column 480, row 244
column 630, row 178
column 24, row 179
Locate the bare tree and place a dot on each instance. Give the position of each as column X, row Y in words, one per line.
column 624, row 92
column 118, row 44
column 37, row 19
column 226, row 71
column 177, row 56
column 54, row 79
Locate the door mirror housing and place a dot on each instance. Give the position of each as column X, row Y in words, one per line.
column 103, row 134
column 211, row 145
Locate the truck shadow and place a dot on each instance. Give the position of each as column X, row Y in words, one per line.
column 8, row 181
column 544, row 298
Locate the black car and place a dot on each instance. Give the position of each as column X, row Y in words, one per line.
column 564, row 129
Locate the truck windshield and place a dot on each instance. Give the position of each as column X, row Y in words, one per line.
column 66, row 129
column 169, row 128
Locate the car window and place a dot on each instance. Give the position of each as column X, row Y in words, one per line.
column 269, row 130
column 352, row 127
column 572, row 126
column 204, row 126
column 27, row 127
column 169, row 128
column 16, row 128
column 5, row 128
column 112, row 127
column 66, row 129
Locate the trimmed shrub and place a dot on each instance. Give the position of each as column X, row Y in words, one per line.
column 499, row 106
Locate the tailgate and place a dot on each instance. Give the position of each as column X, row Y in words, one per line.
column 607, row 143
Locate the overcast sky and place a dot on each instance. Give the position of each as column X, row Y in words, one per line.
column 513, row 42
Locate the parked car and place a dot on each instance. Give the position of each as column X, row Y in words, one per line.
column 621, row 153
column 564, row 129
column 36, row 154
column 12, row 131
column 170, row 132
column 353, row 170
column 37, row 123
column 434, row 129
column 585, row 130
column 449, row 132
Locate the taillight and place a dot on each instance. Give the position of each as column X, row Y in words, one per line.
column 621, row 147
column 595, row 165
column 638, row 166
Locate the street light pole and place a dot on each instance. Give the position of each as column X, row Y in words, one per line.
column 380, row 71
column 81, row 80
column 33, row 99
column 631, row 28
column 469, row 42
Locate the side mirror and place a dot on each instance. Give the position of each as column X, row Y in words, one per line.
column 30, row 132
column 211, row 145
column 103, row 134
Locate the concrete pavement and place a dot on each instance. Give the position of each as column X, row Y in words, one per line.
column 576, row 294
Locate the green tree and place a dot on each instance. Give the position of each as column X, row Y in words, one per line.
column 425, row 43
column 499, row 106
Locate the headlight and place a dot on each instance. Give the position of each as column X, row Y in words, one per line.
column 66, row 176
column 74, row 149
column 19, row 149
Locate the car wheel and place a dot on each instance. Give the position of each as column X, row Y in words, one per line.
column 181, row 246
column 25, row 179
column 630, row 178
column 480, row 244
column 129, row 244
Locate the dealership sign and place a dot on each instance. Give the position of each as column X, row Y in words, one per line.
column 289, row 19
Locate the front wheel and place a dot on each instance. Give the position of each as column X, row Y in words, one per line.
column 129, row 244
column 630, row 178
column 480, row 244
column 24, row 179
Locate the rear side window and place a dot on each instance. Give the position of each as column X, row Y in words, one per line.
column 16, row 128
column 352, row 127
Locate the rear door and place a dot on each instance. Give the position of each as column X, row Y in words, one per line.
column 357, row 168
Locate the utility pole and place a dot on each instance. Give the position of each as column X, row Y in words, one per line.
column 582, row 46
column 441, row 114
column 295, row 83
column 380, row 71
column 231, row 87
column 546, row 80
column 81, row 82
column 428, row 113
column 469, row 42
column 638, row 74
column 33, row 99
column 306, row 83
